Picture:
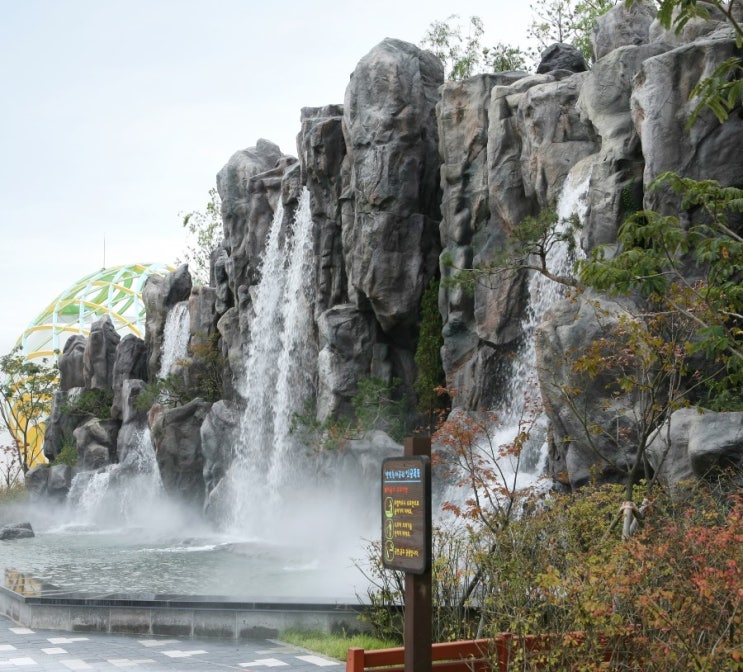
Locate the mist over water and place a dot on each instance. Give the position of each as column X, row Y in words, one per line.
column 270, row 467
column 278, row 493
column 290, row 524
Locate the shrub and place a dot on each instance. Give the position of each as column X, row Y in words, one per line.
column 68, row 455
column 376, row 405
column 93, row 402
column 431, row 378
column 668, row 598
column 200, row 376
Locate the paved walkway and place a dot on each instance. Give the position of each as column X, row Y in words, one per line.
column 59, row 651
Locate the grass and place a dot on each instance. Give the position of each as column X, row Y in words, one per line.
column 15, row 494
column 333, row 646
column 12, row 501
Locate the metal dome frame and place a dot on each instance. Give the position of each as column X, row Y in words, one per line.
column 115, row 291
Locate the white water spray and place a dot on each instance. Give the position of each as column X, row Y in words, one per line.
column 522, row 407
column 122, row 493
column 279, row 367
column 296, row 365
column 175, row 337
column 125, row 492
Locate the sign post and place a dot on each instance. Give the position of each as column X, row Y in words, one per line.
column 406, row 542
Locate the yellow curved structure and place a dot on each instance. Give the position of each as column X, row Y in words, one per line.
column 114, row 291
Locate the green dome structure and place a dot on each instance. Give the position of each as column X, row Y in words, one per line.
column 114, row 291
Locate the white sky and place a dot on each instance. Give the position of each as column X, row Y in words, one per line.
column 116, row 115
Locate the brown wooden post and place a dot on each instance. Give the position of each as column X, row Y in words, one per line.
column 418, row 601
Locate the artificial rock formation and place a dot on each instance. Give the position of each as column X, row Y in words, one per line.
column 70, row 363
column 413, row 178
column 159, row 295
column 100, row 354
column 176, row 436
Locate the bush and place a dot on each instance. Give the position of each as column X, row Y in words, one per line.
column 669, row 598
column 376, row 405
column 431, row 378
column 93, row 402
column 200, row 376
column 14, row 493
column 68, row 455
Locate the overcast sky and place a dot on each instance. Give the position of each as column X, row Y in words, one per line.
column 116, row 115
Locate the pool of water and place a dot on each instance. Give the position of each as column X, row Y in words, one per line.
column 133, row 560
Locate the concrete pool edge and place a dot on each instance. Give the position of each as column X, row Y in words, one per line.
column 176, row 615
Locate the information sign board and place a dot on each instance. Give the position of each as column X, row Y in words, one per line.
column 406, row 513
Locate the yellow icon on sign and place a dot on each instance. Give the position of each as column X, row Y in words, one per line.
column 389, row 551
column 389, row 507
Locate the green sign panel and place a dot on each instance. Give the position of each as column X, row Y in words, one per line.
column 406, row 514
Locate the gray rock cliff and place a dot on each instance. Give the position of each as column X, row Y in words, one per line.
column 413, row 179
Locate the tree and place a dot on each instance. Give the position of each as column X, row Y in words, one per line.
column 690, row 271
column 504, row 57
column 10, row 468
column 530, row 246
column 464, row 56
column 566, row 21
column 687, row 347
column 26, row 390
column 205, row 233
column 554, row 21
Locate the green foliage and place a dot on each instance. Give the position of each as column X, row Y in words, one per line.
column 460, row 55
column 431, row 378
column 26, row 390
column 13, row 493
column 656, row 254
column 201, row 376
column 721, row 91
column 170, row 391
column 557, row 567
column 205, row 369
column 453, row 566
column 566, row 21
column 378, row 405
column 384, row 595
column 332, row 434
column 205, row 233
column 461, row 51
column 675, row 14
column 334, row 645
column 529, row 246
column 629, row 199
column 502, row 57
column 464, row 55
column 93, row 402
column 68, row 455
column 667, row 599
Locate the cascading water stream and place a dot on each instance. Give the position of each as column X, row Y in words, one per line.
column 121, row 493
column 175, row 337
column 263, row 353
column 522, row 401
column 125, row 491
column 279, row 367
column 295, row 375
